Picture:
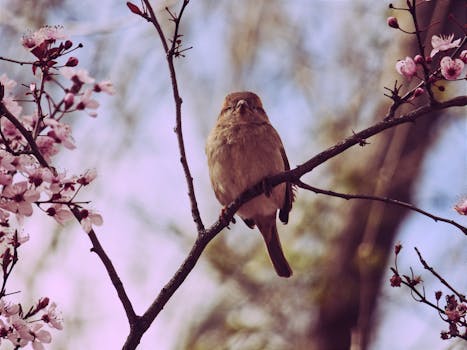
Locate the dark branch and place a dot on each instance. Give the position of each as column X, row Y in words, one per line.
column 441, row 279
column 116, row 281
column 380, row 199
column 26, row 134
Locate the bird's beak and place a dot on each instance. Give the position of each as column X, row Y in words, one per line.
column 242, row 104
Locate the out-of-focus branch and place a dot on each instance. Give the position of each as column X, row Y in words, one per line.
column 380, row 199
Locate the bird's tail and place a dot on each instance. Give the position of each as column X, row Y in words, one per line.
column 268, row 229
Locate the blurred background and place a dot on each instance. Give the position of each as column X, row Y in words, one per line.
column 320, row 68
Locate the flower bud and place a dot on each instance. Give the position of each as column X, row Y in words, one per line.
column 68, row 44
column 418, row 91
column 392, row 22
column 68, row 100
column 72, row 62
column 438, row 295
column 418, row 59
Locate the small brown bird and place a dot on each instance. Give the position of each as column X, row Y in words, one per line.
column 242, row 149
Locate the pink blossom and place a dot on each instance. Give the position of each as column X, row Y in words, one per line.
column 46, row 33
column 406, row 67
column 61, row 133
column 47, row 146
column 461, row 207
column 443, row 43
column 6, row 160
column 68, row 100
column 41, row 336
column 53, row 317
column 451, row 69
column 81, row 75
column 60, row 213
column 105, row 86
column 8, row 84
column 38, row 176
column 23, row 333
column 5, row 179
column 89, row 218
column 463, row 56
column 11, row 133
column 88, row 177
column 18, row 198
column 86, row 102
column 8, row 309
column 392, row 22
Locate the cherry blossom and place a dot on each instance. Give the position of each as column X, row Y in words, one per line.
column 443, row 43
column 86, row 102
column 53, row 317
column 88, row 177
column 461, row 207
column 81, row 75
column 47, row 146
column 406, row 67
column 105, row 86
column 463, row 56
column 451, row 69
column 61, row 133
column 18, row 198
column 89, row 218
column 46, row 33
column 60, row 213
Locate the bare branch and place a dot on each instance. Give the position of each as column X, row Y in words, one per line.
column 170, row 54
column 116, row 281
column 438, row 276
column 381, row 199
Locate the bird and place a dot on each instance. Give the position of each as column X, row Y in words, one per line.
column 243, row 149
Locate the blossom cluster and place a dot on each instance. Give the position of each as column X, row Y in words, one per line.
column 456, row 316
column 450, row 69
column 28, row 142
column 22, row 328
column 17, row 326
column 30, row 137
column 454, row 313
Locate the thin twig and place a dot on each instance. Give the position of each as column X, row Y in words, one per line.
column 438, row 276
column 116, row 281
column 381, row 199
column 170, row 53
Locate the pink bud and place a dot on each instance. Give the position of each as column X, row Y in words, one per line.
column 133, row 8
column 68, row 44
column 72, row 62
column 418, row 59
column 68, row 100
column 418, row 91
column 397, row 248
column 392, row 22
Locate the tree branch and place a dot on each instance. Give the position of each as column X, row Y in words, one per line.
column 170, row 54
column 116, row 281
column 26, row 134
column 438, row 276
column 381, row 199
